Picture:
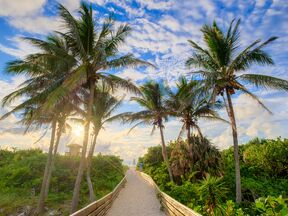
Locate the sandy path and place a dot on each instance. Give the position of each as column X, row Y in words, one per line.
column 137, row 198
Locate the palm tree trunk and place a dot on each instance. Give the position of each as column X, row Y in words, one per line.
column 76, row 191
column 188, row 134
column 164, row 152
column 58, row 136
column 199, row 132
column 41, row 201
column 236, row 147
column 89, row 162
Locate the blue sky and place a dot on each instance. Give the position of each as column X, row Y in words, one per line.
column 161, row 29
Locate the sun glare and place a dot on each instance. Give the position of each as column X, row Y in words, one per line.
column 78, row 130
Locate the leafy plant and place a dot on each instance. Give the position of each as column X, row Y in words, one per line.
column 212, row 193
column 271, row 206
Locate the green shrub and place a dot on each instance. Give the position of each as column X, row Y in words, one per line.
column 21, row 174
column 271, row 206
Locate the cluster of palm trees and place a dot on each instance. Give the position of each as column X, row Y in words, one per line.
column 71, row 77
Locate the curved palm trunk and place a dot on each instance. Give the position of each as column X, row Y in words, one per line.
column 164, row 152
column 76, row 191
column 89, row 162
column 236, row 147
column 41, row 201
column 58, row 136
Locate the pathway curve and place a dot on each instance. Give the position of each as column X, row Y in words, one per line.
column 137, row 198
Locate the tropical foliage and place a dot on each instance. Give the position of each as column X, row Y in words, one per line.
column 221, row 63
column 72, row 78
column 264, row 191
column 21, row 174
column 66, row 71
column 152, row 99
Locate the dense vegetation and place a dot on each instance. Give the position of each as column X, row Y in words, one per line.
column 72, row 76
column 21, row 174
column 207, row 184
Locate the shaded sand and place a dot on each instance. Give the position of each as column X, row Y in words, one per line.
column 137, row 198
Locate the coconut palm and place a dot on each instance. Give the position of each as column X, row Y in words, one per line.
column 94, row 51
column 222, row 65
column 87, row 57
column 45, row 74
column 152, row 99
column 190, row 103
column 104, row 107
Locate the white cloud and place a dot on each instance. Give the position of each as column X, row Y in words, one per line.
column 11, row 132
column 20, row 48
column 156, row 4
column 71, row 5
column 20, row 8
column 28, row 15
column 36, row 24
column 99, row 2
column 132, row 74
column 170, row 23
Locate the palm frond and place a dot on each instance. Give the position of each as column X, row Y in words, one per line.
column 127, row 61
column 112, row 44
column 253, row 96
column 267, row 82
column 73, row 81
column 73, row 30
column 117, row 82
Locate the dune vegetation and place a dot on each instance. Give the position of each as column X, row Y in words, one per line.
column 205, row 177
column 21, row 174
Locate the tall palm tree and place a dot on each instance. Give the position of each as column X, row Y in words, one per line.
column 190, row 102
column 222, row 65
column 152, row 99
column 104, row 107
column 46, row 73
column 94, row 51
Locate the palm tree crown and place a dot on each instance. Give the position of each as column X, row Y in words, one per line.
column 222, row 64
column 190, row 103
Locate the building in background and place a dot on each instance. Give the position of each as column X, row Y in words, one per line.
column 74, row 149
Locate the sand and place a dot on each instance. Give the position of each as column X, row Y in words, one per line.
column 137, row 198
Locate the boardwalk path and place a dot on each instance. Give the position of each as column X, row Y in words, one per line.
column 137, row 198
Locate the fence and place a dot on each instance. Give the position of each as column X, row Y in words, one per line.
column 101, row 206
column 171, row 206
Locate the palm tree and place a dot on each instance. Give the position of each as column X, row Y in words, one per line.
column 105, row 105
column 46, row 73
column 66, row 110
column 104, row 108
column 190, row 103
column 222, row 65
column 94, row 53
column 196, row 159
column 31, row 122
column 152, row 99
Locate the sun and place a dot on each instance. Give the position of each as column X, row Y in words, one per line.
column 78, row 130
